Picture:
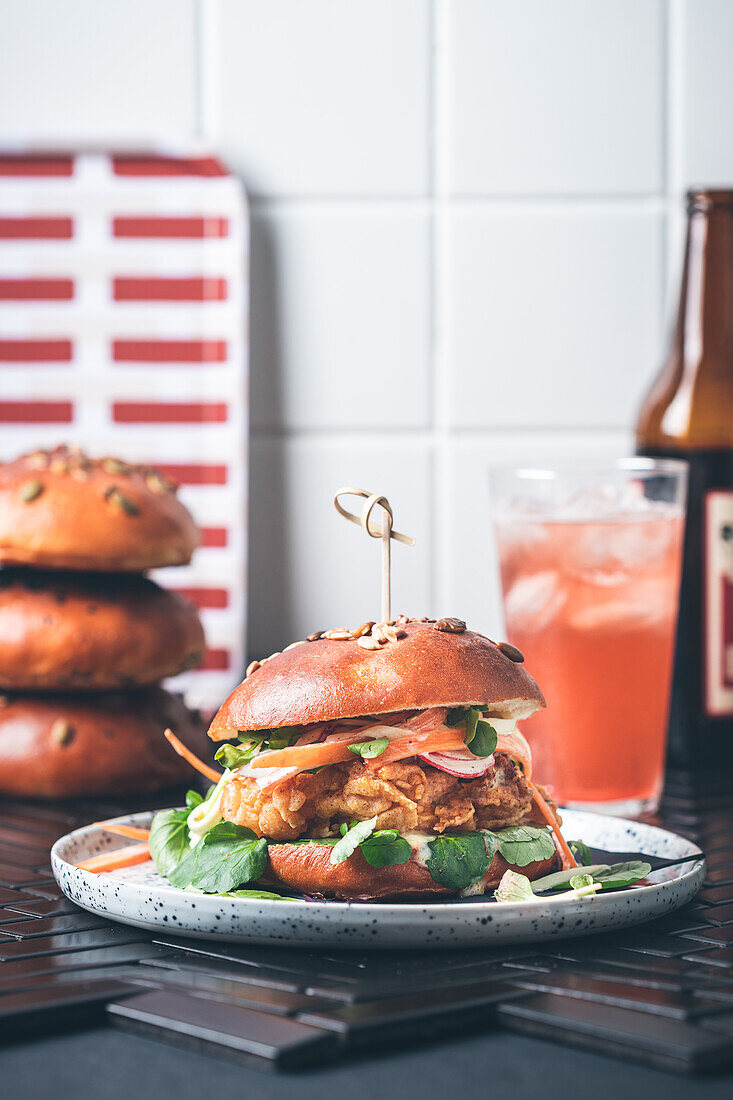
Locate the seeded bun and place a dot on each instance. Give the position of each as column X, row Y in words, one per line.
column 66, row 746
column 62, row 510
column 62, row 631
column 308, row 869
column 426, row 664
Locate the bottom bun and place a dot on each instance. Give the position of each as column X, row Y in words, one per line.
column 308, row 869
column 64, row 746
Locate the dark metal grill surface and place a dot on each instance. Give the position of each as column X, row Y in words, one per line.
column 660, row 994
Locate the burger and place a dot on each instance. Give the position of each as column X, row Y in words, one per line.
column 375, row 764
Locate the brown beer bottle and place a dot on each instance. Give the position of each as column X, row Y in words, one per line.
column 689, row 414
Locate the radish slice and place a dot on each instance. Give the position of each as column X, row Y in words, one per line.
column 461, row 763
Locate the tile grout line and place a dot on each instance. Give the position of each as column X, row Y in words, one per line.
column 399, row 204
column 674, row 27
column 454, row 435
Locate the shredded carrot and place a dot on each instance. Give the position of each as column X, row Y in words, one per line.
column 112, row 861
column 567, row 859
column 307, row 756
column 440, row 740
column 124, row 830
column 191, row 757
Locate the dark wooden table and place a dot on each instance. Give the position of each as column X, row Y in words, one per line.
column 647, row 1008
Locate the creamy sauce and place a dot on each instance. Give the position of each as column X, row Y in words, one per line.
column 208, row 813
column 420, row 846
column 474, row 890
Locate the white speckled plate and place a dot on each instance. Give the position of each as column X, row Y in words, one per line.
column 139, row 896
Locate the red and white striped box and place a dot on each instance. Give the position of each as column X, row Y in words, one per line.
column 123, row 328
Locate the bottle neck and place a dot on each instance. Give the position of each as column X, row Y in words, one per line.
column 704, row 332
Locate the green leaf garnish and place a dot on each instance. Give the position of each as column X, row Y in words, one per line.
column 514, row 887
column 369, row 749
column 484, row 739
column 169, row 838
column 623, row 874
column 613, row 877
column 456, row 716
column 561, row 879
column 385, row 848
column 579, row 881
column 193, row 799
column 458, row 861
column 264, row 894
column 581, row 851
column 351, row 838
column 235, row 756
column 471, row 722
column 267, row 739
column 229, row 856
column 523, row 844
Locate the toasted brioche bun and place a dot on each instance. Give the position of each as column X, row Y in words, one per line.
column 65, row 746
column 62, row 510
column 324, row 680
column 63, row 631
column 308, row 868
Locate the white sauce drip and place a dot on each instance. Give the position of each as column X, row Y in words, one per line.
column 420, row 846
column 208, row 813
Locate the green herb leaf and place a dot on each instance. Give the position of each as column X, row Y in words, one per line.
column 264, row 894
column 268, row 739
column 234, row 756
column 471, row 722
column 229, row 856
column 385, row 848
column 610, row 877
column 579, row 881
column 226, row 832
column 484, row 739
column 581, row 851
column 369, row 749
column 514, row 887
column 193, row 799
column 250, row 735
column 351, row 839
column 456, row 716
column 560, row 879
column 623, row 874
column 523, row 844
column 458, row 861
column 181, row 874
column 168, row 839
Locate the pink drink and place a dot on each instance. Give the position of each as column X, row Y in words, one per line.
column 593, row 607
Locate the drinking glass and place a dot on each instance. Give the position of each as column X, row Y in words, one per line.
column 590, row 559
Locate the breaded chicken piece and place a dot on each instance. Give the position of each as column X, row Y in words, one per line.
column 405, row 795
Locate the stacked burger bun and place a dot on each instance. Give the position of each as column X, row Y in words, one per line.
column 85, row 637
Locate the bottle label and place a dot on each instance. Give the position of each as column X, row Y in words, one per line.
column 718, row 602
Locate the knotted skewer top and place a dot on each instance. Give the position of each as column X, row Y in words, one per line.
column 384, row 531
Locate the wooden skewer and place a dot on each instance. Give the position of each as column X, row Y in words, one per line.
column 386, row 566
column 383, row 531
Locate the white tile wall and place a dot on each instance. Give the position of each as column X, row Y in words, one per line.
column 554, row 314
column 85, row 71
column 556, row 98
column 706, row 90
column 354, row 286
column 328, row 97
column 465, row 219
column 309, row 568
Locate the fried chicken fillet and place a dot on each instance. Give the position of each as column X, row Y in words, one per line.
column 407, row 795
